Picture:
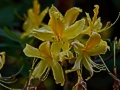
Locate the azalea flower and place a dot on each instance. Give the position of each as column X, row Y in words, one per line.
column 92, row 47
column 34, row 19
column 2, row 59
column 94, row 24
column 49, row 55
column 60, row 28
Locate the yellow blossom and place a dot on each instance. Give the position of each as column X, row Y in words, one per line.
column 34, row 19
column 92, row 47
column 94, row 24
column 60, row 28
column 49, row 55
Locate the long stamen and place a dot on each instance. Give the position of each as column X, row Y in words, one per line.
column 106, row 27
column 5, row 86
column 104, row 63
column 46, row 74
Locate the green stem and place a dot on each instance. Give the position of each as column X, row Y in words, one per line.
column 114, row 54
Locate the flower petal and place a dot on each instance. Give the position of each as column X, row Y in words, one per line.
column 65, row 45
column 44, row 49
column 93, row 41
column 36, row 7
column 88, row 66
column 42, row 14
column 77, row 65
column 97, row 25
column 74, row 30
column 40, row 69
column 100, row 49
column 42, row 34
column 55, row 48
column 96, row 11
column 56, row 22
column 78, row 46
column 30, row 51
column 58, row 73
column 31, row 15
column 30, row 22
column 71, row 15
column 52, row 10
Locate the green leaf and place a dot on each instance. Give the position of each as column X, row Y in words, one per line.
column 12, row 35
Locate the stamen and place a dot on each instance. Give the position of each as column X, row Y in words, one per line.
column 5, row 86
column 100, row 67
column 45, row 75
column 107, row 27
column 104, row 63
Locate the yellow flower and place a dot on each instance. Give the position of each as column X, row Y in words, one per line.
column 60, row 28
column 34, row 19
column 49, row 55
column 92, row 47
column 2, row 59
column 94, row 24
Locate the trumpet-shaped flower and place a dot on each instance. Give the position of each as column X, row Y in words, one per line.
column 60, row 28
column 49, row 55
column 94, row 24
column 92, row 47
column 34, row 19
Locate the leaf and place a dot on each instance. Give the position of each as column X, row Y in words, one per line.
column 12, row 35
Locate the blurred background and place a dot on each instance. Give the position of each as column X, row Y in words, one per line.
column 11, row 19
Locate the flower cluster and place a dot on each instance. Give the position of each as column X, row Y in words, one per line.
column 62, row 39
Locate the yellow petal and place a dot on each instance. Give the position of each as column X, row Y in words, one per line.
column 104, row 43
column 58, row 73
column 97, row 25
column 88, row 18
column 29, row 25
column 78, row 46
column 74, row 30
column 52, row 10
column 2, row 59
column 100, row 49
column 71, row 15
column 88, row 66
column 30, row 51
column 55, row 48
column 78, row 62
column 56, row 22
column 42, row 14
column 65, row 45
column 57, row 27
column 40, row 69
column 93, row 41
column 96, row 11
column 44, row 49
column 36, row 7
column 43, row 34
column 77, row 65
column 31, row 15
